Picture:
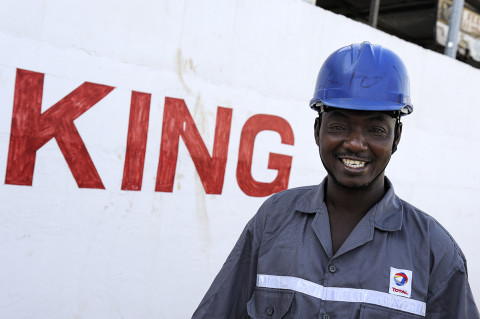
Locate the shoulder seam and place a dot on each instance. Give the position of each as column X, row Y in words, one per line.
column 457, row 248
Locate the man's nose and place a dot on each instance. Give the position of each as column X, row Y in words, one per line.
column 355, row 142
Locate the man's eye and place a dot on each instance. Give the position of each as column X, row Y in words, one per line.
column 378, row 130
column 336, row 128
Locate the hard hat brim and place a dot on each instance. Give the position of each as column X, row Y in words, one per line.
column 362, row 105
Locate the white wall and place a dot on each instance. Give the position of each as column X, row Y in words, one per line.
column 70, row 252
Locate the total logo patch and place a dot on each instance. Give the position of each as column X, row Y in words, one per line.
column 400, row 282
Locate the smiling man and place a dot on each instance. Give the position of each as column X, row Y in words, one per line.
column 349, row 247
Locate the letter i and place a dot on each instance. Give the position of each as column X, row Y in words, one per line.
column 136, row 141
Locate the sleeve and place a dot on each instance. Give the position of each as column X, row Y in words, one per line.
column 233, row 287
column 449, row 295
column 453, row 300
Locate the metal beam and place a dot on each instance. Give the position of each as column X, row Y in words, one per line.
column 454, row 28
column 402, row 6
column 374, row 8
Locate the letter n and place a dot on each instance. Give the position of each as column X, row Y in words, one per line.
column 177, row 122
column 32, row 129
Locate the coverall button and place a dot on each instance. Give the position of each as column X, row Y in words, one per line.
column 269, row 311
column 325, row 316
column 332, row 269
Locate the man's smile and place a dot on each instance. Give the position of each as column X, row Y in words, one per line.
column 353, row 163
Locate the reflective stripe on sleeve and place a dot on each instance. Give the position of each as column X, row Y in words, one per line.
column 342, row 294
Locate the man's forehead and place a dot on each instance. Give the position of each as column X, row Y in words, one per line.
column 367, row 115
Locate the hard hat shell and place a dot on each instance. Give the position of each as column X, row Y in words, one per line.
column 363, row 77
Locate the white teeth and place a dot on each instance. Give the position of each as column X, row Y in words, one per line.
column 353, row 164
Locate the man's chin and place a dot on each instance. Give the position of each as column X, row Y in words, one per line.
column 350, row 185
column 355, row 184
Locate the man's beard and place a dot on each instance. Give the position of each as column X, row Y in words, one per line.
column 359, row 187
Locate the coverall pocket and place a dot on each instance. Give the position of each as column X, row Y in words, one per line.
column 377, row 312
column 270, row 303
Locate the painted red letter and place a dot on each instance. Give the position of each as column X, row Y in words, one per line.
column 177, row 122
column 136, row 141
column 31, row 129
column 281, row 163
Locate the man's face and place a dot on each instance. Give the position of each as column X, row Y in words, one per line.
column 355, row 146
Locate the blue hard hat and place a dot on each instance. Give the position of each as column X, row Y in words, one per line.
column 363, row 77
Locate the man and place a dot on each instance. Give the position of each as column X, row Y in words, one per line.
column 349, row 247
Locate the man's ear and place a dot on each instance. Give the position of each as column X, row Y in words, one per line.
column 398, row 135
column 318, row 122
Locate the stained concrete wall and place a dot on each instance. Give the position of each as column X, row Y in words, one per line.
column 74, row 252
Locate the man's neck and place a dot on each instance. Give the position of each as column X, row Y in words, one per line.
column 346, row 207
column 351, row 200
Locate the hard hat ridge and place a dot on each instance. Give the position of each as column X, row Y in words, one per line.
column 363, row 53
column 363, row 77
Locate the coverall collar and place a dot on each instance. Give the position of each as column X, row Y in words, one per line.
column 386, row 215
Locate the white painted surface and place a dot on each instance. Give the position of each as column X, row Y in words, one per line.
column 87, row 253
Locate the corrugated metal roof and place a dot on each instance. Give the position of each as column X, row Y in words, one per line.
column 411, row 20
